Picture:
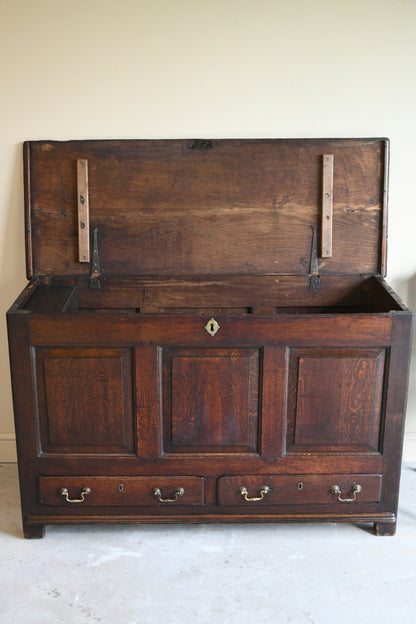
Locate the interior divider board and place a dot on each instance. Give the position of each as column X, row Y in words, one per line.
column 241, row 291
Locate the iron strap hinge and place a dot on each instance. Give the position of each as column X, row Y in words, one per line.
column 314, row 278
column 95, row 273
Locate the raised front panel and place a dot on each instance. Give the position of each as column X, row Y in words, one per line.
column 335, row 399
column 211, row 400
column 85, row 400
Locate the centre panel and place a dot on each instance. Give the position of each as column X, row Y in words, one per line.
column 211, row 400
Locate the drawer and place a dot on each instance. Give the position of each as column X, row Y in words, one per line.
column 101, row 491
column 298, row 489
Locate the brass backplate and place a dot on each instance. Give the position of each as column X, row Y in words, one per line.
column 212, row 327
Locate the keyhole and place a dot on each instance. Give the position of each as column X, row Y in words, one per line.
column 212, row 327
column 300, row 486
column 120, row 487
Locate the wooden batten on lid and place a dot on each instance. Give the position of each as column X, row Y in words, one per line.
column 327, row 205
column 83, row 211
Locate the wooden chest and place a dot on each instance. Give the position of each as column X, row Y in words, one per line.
column 207, row 335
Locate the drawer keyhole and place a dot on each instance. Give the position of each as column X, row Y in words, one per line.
column 300, row 486
column 120, row 487
column 212, row 327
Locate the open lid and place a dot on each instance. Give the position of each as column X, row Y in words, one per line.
column 200, row 207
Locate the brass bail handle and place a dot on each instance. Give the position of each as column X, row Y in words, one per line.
column 64, row 492
column 170, row 499
column 265, row 489
column 356, row 489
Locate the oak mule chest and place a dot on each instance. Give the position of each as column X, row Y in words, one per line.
column 207, row 335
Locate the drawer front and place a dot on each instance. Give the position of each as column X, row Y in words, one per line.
column 251, row 490
column 137, row 491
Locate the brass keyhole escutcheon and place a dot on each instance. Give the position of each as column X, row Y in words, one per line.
column 212, row 327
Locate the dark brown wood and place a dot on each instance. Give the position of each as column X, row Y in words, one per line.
column 335, row 400
column 192, row 518
column 247, row 295
column 148, row 378
column 197, row 464
column 274, row 373
column 33, row 531
column 298, row 489
column 238, row 207
column 28, row 210
column 385, row 529
column 383, row 251
column 125, row 402
column 121, row 491
column 153, row 295
column 395, row 405
column 85, row 400
column 57, row 298
column 187, row 330
column 211, row 400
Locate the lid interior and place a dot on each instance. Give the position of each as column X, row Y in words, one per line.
column 221, row 207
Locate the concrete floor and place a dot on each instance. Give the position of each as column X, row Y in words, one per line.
column 231, row 574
